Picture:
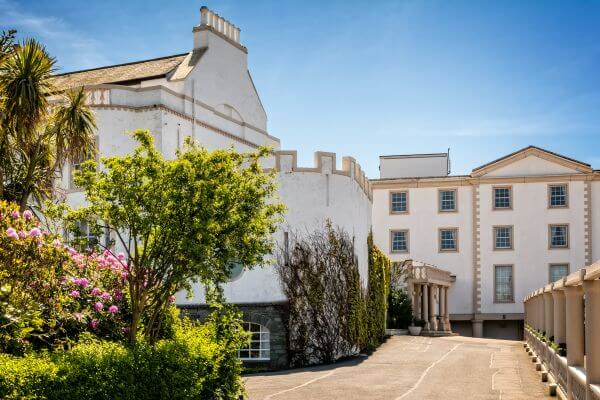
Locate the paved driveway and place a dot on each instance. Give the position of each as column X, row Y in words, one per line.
column 413, row 368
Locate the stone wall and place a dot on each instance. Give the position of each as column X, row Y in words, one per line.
column 271, row 315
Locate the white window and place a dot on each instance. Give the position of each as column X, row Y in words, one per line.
column 447, row 200
column 399, row 241
column 83, row 238
column 398, row 202
column 503, row 237
column 559, row 236
column 558, row 271
column 557, row 196
column 259, row 346
column 448, row 239
column 502, row 197
column 503, row 284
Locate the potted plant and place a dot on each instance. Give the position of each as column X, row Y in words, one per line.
column 416, row 327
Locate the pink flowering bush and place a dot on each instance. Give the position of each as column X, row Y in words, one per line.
column 51, row 293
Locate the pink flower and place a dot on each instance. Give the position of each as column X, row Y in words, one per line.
column 15, row 214
column 96, row 291
column 105, row 296
column 22, row 234
column 35, row 232
column 75, row 293
column 171, row 299
column 98, row 306
column 27, row 214
column 113, row 309
column 83, row 282
column 11, row 233
column 118, row 295
column 121, row 256
column 94, row 323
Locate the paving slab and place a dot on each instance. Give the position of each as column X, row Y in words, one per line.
column 413, row 368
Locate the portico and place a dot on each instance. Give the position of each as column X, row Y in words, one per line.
column 428, row 288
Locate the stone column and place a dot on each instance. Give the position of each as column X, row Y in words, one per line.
column 592, row 333
column 446, row 312
column 548, row 314
column 432, row 320
column 417, row 301
column 442, row 319
column 558, row 297
column 425, row 306
column 575, row 334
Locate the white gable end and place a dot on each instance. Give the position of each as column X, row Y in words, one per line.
column 531, row 165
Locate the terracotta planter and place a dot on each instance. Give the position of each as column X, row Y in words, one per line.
column 415, row 330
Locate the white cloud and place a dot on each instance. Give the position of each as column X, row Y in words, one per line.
column 75, row 48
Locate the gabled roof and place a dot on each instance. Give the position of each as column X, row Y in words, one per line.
column 531, row 151
column 120, row 73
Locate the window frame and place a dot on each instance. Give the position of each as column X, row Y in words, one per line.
column 556, row 265
column 512, row 237
column 510, row 198
column 407, row 239
column 568, row 239
column 550, row 186
column 260, row 341
column 512, row 284
column 391, row 193
column 72, row 166
column 451, row 228
column 453, row 210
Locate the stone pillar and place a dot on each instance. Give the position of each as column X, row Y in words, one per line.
column 417, row 300
column 548, row 315
column 592, row 333
column 446, row 311
column 442, row 319
column 432, row 318
column 559, row 319
column 574, row 330
column 425, row 306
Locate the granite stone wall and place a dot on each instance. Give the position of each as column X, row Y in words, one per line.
column 271, row 315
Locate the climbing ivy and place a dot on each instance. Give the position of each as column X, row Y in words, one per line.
column 331, row 314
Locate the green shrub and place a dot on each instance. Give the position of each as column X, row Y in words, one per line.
column 199, row 362
column 26, row 377
column 399, row 309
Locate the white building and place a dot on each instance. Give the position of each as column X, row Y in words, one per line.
column 510, row 226
column 208, row 94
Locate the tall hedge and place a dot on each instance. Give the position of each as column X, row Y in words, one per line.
column 377, row 298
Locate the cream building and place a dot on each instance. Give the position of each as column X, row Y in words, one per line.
column 208, row 94
column 508, row 227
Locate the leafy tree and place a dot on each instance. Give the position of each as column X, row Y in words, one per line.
column 39, row 130
column 180, row 220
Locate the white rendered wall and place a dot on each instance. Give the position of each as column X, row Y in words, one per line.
column 531, row 255
column 310, row 198
column 423, row 221
column 595, row 186
column 413, row 166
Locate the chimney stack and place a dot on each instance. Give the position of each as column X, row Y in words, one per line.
column 209, row 20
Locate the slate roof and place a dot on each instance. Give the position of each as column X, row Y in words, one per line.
column 120, row 73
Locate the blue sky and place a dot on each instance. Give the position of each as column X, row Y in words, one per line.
column 377, row 77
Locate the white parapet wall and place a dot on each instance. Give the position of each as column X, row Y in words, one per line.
column 311, row 196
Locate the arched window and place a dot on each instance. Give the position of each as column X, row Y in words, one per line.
column 259, row 347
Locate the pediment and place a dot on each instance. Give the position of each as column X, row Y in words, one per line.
column 531, row 161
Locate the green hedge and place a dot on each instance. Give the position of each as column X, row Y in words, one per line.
column 378, row 290
column 193, row 365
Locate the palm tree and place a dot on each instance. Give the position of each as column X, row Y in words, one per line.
column 39, row 129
